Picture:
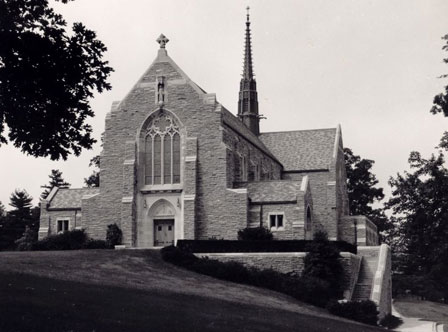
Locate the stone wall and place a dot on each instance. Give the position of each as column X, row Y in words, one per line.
column 323, row 190
column 291, row 263
column 74, row 216
column 366, row 231
column 90, row 221
column 244, row 155
column 382, row 283
column 352, row 265
column 292, row 214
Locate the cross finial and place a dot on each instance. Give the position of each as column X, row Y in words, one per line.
column 162, row 40
column 247, row 9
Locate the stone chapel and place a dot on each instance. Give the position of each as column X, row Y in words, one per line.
column 176, row 164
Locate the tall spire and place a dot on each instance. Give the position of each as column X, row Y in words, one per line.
column 248, row 72
column 248, row 97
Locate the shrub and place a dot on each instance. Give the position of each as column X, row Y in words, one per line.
column 113, row 235
column 95, row 244
column 178, row 257
column 306, row 289
column 361, row 311
column 69, row 240
column 405, row 285
column 256, row 233
column 323, row 262
column 27, row 241
column 391, row 322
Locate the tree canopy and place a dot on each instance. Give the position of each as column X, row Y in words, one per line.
column 56, row 180
column 47, row 76
column 361, row 184
column 440, row 102
column 363, row 191
column 94, row 179
column 420, row 206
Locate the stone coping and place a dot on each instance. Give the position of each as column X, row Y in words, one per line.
column 264, row 254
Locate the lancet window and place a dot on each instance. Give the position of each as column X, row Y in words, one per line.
column 162, row 152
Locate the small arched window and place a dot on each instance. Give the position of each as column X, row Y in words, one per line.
column 308, row 219
column 162, row 152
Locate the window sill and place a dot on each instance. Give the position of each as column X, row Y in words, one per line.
column 162, row 187
column 280, row 229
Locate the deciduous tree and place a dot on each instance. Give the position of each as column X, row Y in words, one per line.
column 363, row 192
column 420, row 205
column 47, row 76
column 440, row 102
column 94, row 179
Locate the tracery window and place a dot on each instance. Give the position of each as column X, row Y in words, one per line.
column 162, row 152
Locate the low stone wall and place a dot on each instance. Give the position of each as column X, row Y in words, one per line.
column 382, row 282
column 291, row 263
column 366, row 230
column 351, row 264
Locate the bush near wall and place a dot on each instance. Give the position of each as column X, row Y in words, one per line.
column 361, row 311
column 114, row 235
column 306, row 289
column 222, row 246
column 255, row 233
column 69, row 240
column 323, row 261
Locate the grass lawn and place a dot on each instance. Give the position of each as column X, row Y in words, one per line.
column 426, row 310
column 137, row 291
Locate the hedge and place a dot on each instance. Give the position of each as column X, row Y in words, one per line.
column 222, row 246
column 307, row 289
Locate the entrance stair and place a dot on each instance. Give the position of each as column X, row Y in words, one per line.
column 369, row 265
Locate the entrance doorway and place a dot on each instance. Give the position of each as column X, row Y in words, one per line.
column 163, row 232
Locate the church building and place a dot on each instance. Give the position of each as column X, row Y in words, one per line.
column 176, row 164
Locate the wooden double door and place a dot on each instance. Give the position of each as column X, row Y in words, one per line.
column 163, row 232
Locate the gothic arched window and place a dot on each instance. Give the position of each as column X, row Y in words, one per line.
column 308, row 219
column 162, row 152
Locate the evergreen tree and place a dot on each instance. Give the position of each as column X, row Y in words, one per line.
column 2, row 210
column 323, row 261
column 17, row 219
column 56, row 180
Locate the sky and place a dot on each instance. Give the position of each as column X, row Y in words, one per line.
column 370, row 66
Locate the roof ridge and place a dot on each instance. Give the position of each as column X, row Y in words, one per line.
column 82, row 188
column 246, row 131
column 300, row 130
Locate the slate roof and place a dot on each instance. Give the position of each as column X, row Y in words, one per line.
column 233, row 122
column 273, row 191
column 302, row 149
column 71, row 198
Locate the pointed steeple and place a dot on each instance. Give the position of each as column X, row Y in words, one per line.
column 248, row 72
column 248, row 98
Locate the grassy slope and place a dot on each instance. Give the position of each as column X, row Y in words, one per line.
column 137, row 291
column 425, row 310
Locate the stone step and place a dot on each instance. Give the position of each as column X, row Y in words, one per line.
column 369, row 264
column 362, row 292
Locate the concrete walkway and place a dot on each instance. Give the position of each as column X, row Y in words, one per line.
column 412, row 324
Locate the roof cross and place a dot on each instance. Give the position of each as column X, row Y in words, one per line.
column 162, row 40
